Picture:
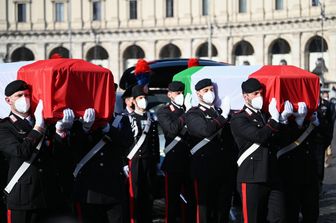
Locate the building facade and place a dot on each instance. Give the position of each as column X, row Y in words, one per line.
column 114, row 33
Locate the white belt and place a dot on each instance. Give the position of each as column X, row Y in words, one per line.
column 173, row 143
column 247, row 153
column 91, row 153
column 22, row 169
column 140, row 141
column 202, row 143
column 297, row 142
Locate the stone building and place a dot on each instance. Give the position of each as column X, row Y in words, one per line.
column 114, row 33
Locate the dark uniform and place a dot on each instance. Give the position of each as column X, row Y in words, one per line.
column 258, row 176
column 143, row 169
column 37, row 195
column 300, row 178
column 98, row 188
column 212, row 165
column 3, row 181
column 322, row 135
column 176, row 164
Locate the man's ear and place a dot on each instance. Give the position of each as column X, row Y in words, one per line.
column 7, row 99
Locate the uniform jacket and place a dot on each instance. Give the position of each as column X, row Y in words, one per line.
column 39, row 186
column 172, row 121
column 324, row 132
column 150, row 148
column 100, row 181
column 215, row 158
column 298, row 166
column 250, row 127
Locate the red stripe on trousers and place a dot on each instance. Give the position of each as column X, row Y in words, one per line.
column 79, row 212
column 244, row 203
column 183, row 207
column 166, row 187
column 9, row 216
column 198, row 220
column 131, row 192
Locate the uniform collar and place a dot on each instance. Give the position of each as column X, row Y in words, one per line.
column 128, row 110
column 206, row 105
column 251, row 108
column 139, row 112
column 176, row 105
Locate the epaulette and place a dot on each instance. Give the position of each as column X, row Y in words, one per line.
column 171, row 107
column 12, row 118
column 248, row 111
column 202, row 108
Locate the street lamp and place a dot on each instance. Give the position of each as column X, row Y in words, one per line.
column 322, row 18
column 69, row 29
column 209, row 30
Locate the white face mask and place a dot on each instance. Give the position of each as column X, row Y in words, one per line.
column 209, row 97
column 257, row 102
column 22, row 104
column 142, row 103
column 179, row 99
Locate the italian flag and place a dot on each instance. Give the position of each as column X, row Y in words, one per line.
column 281, row 82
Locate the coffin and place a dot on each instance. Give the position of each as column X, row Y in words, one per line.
column 70, row 83
column 282, row 82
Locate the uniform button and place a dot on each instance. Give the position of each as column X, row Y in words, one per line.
column 102, row 154
column 140, row 155
column 307, row 143
column 39, row 160
column 307, row 152
column 202, row 155
column 222, row 149
column 251, row 158
column 101, row 164
column 40, row 170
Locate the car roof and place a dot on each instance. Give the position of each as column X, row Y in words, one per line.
column 167, row 67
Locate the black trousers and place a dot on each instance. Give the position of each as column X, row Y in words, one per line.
column 319, row 155
column 38, row 216
column 102, row 213
column 262, row 203
column 178, row 186
column 142, row 180
column 213, row 199
column 302, row 198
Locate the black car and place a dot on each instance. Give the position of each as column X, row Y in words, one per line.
column 162, row 73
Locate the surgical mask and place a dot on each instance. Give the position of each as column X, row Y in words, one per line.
column 22, row 104
column 257, row 102
column 179, row 99
column 142, row 103
column 209, row 97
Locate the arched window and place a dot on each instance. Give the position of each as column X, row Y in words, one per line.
column 63, row 52
column 202, row 50
column 170, row 51
column 22, row 54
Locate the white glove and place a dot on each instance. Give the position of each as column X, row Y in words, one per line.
column 38, row 114
column 315, row 120
column 273, row 110
column 226, row 106
column 187, row 101
column 126, row 170
column 88, row 119
column 301, row 113
column 287, row 112
column 67, row 121
column 106, row 128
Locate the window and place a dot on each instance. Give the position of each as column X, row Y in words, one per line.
column 21, row 12
column 96, row 10
column 315, row 2
column 205, row 7
column 59, row 12
column 169, row 8
column 278, row 4
column 133, row 9
column 242, row 6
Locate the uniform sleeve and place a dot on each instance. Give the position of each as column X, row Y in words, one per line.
column 242, row 127
column 201, row 127
column 170, row 125
column 14, row 148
